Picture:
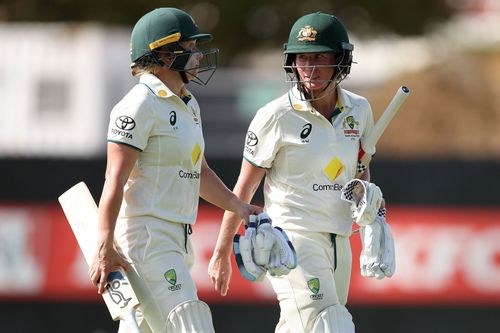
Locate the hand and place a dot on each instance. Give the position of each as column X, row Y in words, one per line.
column 107, row 260
column 244, row 210
column 220, row 270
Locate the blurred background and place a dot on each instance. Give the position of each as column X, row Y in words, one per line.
column 64, row 64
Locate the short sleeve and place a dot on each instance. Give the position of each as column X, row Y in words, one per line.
column 131, row 120
column 263, row 139
column 369, row 123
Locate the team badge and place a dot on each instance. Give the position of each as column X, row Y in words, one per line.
column 313, row 285
column 351, row 127
column 171, row 277
column 307, row 33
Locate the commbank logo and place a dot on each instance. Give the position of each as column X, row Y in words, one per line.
column 125, row 123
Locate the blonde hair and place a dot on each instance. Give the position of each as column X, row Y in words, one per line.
column 138, row 70
column 148, row 63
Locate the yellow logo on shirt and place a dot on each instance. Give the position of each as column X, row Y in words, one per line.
column 334, row 168
column 195, row 154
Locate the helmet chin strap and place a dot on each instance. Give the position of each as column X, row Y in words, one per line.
column 311, row 97
column 184, row 77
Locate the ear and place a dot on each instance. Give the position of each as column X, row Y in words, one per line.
column 164, row 58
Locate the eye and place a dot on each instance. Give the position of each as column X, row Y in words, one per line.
column 190, row 45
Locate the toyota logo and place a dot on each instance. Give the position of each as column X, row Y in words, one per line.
column 125, row 123
column 252, row 139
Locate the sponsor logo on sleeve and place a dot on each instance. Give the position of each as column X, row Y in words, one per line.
column 251, row 141
column 123, row 124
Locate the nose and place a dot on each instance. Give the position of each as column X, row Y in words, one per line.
column 198, row 55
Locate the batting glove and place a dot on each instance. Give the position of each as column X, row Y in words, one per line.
column 365, row 199
column 283, row 257
column 264, row 240
column 243, row 251
column 377, row 255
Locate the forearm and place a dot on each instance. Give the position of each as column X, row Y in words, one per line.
column 109, row 207
column 231, row 222
column 366, row 175
column 213, row 190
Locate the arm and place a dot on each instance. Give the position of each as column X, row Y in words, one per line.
column 213, row 190
column 120, row 161
column 219, row 268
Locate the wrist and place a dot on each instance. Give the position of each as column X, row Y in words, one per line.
column 223, row 251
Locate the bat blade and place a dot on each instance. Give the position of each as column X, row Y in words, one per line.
column 367, row 148
column 82, row 214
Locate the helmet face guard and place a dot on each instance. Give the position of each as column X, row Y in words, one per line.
column 196, row 66
column 312, row 34
column 341, row 68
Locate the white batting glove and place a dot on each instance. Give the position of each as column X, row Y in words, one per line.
column 283, row 255
column 243, row 251
column 264, row 240
column 365, row 199
column 377, row 255
column 388, row 253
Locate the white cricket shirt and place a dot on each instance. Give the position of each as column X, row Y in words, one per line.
column 165, row 182
column 309, row 159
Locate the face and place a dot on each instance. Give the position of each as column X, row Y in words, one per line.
column 194, row 60
column 315, row 69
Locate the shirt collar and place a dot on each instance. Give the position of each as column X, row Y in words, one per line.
column 160, row 89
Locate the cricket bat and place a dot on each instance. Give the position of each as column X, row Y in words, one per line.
column 81, row 211
column 367, row 147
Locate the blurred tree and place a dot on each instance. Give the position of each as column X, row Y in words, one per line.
column 244, row 25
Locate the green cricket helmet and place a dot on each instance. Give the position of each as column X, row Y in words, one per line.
column 162, row 30
column 318, row 33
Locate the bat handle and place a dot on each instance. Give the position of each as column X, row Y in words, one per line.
column 130, row 320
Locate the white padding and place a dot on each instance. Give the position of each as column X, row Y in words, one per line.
column 190, row 317
column 334, row 319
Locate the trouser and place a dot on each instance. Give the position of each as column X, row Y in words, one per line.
column 161, row 256
column 320, row 280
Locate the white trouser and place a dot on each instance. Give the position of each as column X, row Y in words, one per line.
column 161, row 256
column 320, row 280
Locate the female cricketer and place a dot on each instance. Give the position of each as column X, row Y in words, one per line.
column 156, row 171
column 306, row 144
